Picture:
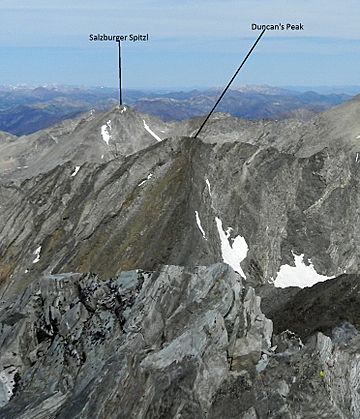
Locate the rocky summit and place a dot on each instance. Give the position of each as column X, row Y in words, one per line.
column 148, row 274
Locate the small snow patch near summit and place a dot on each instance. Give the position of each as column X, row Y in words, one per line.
column 106, row 132
column 146, row 126
column 233, row 254
column 300, row 275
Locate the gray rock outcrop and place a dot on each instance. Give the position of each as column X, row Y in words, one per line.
column 169, row 339
column 173, row 343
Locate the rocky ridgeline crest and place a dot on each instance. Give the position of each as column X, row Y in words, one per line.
column 114, row 300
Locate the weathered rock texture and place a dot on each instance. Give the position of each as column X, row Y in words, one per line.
column 103, row 219
column 113, row 300
column 173, row 343
column 143, row 344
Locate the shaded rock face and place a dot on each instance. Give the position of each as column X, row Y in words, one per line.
column 102, row 219
column 322, row 307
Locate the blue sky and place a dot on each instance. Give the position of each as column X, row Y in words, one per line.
column 192, row 43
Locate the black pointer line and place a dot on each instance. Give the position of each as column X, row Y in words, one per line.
column 120, row 87
column 229, row 84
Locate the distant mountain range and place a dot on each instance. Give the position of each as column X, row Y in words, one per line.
column 24, row 110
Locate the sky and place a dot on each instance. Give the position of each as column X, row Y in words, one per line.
column 192, row 43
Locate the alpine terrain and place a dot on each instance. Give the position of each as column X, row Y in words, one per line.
column 148, row 274
column 25, row 109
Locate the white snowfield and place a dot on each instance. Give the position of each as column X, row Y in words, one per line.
column 37, row 255
column 300, row 275
column 198, row 222
column 146, row 126
column 75, row 172
column 106, row 132
column 233, row 254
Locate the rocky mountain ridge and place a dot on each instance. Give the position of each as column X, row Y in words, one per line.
column 117, row 295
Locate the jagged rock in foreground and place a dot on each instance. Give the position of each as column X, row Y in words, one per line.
column 177, row 343
column 143, row 344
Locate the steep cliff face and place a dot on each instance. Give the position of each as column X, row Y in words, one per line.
column 112, row 283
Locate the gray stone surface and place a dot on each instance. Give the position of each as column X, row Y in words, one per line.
column 174, row 343
column 100, row 219
column 79, row 140
column 113, row 300
column 81, row 345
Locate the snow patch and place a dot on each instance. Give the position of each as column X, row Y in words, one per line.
column 106, row 132
column 198, row 222
column 357, row 157
column 157, row 138
column 358, row 137
column 150, row 175
column 102, row 156
column 37, row 255
column 208, row 185
column 75, row 172
column 233, row 254
column 123, row 109
column 228, row 231
column 300, row 275
column 7, row 384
